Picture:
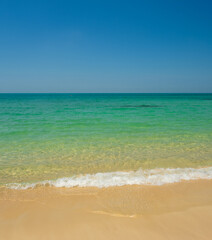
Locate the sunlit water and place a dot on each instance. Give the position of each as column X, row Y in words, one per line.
column 51, row 136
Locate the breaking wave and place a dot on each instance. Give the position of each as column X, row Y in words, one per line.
column 140, row 177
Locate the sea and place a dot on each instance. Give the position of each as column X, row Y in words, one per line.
column 102, row 140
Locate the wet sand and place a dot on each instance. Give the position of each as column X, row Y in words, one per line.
column 172, row 211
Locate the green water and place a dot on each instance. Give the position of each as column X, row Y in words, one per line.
column 47, row 136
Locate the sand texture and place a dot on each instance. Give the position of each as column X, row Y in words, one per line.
column 173, row 211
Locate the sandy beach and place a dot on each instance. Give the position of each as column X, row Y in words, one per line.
column 105, row 120
column 172, row 211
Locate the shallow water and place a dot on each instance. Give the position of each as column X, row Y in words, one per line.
column 50, row 136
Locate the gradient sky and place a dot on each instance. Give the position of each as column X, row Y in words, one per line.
column 105, row 46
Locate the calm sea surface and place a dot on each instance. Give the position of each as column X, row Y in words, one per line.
column 49, row 136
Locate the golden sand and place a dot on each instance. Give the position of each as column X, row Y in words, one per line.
column 173, row 211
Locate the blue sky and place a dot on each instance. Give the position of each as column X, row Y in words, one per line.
column 105, row 46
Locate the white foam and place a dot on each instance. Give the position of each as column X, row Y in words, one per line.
column 140, row 177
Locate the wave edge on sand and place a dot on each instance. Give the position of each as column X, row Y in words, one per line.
column 110, row 179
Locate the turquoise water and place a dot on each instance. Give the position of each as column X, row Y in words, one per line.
column 49, row 136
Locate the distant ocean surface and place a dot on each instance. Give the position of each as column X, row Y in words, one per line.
column 104, row 139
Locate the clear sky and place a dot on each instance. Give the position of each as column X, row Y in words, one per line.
column 105, row 46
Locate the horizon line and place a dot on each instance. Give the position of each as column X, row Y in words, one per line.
column 105, row 92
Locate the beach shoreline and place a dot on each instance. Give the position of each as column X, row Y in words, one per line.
column 171, row 211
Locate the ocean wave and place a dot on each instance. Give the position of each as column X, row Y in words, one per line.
column 109, row 179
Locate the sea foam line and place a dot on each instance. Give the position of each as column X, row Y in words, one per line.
column 140, row 177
